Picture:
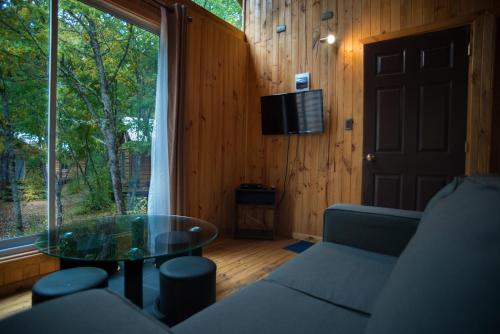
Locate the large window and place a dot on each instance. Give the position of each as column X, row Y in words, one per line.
column 228, row 10
column 106, row 75
column 23, row 118
column 106, row 91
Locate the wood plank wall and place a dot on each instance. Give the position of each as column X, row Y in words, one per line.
column 326, row 168
column 495, row 124
column 19, row 273
column 215, row 120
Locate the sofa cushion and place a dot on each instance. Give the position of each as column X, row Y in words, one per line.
column 339, row 274
column 447, row 279
column 91, row 311
column 265, row 307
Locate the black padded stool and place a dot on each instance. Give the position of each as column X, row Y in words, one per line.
column 68, row 281
column 187, row 285
column 111, row 267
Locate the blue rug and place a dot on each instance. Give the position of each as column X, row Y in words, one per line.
column 299, row 247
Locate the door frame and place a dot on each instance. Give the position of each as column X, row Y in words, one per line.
column 479, row 85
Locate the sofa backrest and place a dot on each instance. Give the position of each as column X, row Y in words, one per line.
column 446, row 191
column 448, row 278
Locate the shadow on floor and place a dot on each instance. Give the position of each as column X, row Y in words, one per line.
column 151, row 285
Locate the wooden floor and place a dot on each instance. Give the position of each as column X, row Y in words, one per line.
column 239, row 262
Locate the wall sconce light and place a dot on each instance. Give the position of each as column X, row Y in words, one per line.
column 330, row 39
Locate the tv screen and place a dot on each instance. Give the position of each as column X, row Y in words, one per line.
column 290, row 113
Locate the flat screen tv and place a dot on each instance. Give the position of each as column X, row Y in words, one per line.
column 292, row 113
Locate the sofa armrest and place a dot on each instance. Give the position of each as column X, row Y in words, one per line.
column 381, row 230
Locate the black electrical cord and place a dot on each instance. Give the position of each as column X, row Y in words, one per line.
column 285, row 182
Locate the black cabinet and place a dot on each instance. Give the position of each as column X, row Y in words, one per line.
column 255, row 213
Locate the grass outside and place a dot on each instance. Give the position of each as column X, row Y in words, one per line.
column 74, row 208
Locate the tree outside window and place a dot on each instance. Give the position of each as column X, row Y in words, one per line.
column 105, row 108
column 228, row 10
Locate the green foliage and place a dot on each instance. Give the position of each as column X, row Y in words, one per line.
column 129, row 57
column 33, row 186
column 228, row 10
column 99, row 198
column 74, row 186
column 139, row 206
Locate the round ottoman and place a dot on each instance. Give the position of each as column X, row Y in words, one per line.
column 111, row 267
column 187, row 285
column 68, row 281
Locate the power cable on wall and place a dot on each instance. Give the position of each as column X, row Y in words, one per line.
column 285, row 181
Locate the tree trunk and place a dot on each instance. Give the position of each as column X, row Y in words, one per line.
column 16, row 198
column 11, row 161
column 59, row 186
column 108, row 125
column 114, row 169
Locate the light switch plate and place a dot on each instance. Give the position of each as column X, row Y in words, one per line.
column 348, row 123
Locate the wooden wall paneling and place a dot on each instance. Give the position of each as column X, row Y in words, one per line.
column 474, row 92
column 205, row 158
column 428, row 11
column 443, row 9
column 385, row 16
column 312, row 159
column 375, row 16
column 19, row 273
column 257, row 23
column 269, row 20
column 357, row 97
column 395, row 9
column 331, row 125
column 365, row 14
column 348, row 94
column 335, row 195
column 215, row 140
column 191, row 143
column 486, row 103
column 263, row 25
column 326, row 169
column 324, row 53
column 215, row 122
column 228, row 126
column 417, row 7
column 253, row 147
column 406, row 14
column 495, row 124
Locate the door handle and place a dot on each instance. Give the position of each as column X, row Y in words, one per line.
column 370, row 157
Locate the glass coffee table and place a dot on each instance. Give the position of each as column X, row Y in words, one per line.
column 128, row 238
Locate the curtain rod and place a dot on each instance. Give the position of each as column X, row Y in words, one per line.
column 167, row 7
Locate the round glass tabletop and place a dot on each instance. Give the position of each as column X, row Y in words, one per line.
column 128, row 237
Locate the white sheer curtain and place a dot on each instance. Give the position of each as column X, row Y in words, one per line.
column 159, row 187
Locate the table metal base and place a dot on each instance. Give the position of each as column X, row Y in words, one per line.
column 133, row 281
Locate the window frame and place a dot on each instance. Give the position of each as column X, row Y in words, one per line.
column 17, row 245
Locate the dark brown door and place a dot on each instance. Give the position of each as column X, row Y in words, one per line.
column 415, row 111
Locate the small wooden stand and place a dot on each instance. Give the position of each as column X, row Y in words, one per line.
column 255, row 219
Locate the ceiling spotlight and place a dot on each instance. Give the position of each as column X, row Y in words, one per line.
column 330, row 39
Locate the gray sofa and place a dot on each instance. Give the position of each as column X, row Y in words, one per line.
column 376, row 271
